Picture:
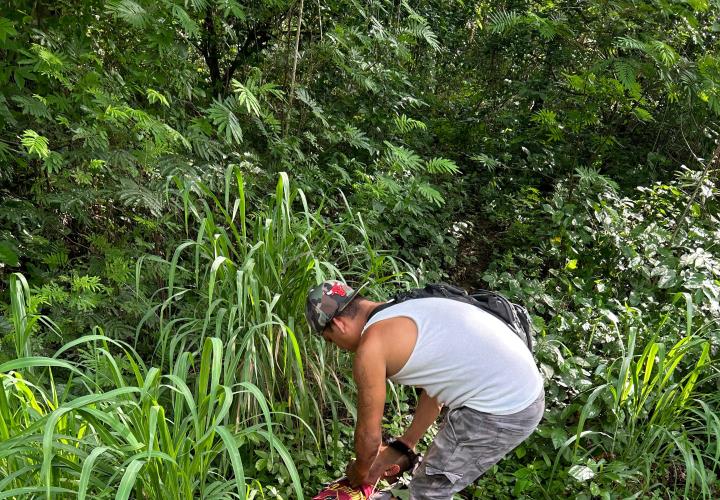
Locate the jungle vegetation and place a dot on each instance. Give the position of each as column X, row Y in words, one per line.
column 176, row 174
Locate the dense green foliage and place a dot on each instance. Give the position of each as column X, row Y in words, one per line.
column 174, row 176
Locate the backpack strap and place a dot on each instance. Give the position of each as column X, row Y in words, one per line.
column 381, row 307
column 442, row 290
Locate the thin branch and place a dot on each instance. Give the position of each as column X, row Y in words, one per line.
column 320, row 21
column 294, row 69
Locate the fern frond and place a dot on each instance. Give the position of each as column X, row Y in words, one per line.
column 441, row 166
column 403, row 124
column 245, row 96
column 503, row 21
column 34, row 106
column 401, row 159
column 304, row 97
column 661, row 52
column 35, row 143
column 357, row 138
column 200, row 5
column 57, row 259
column 86, row 284
column 53, row 162
column 155, row 96
column 176, row 136
column 377, row 30
column 48, row 57
column 188, row 24
column 95, row 139
column 129, row 11
column 575, row 82
column 118, row 114
column 643, row 114
column 420, row 30
column 628, row 43
column 223, row 117
column 133, row 194
column 590, row 176
column 546, row 27
column 664, row 53
column 625, row 73
column 200, row 135
column 545, row 117
column 431, row 194
column 387, row 184
column 486, row 160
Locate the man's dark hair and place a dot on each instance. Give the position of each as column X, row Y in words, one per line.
column 352, row 308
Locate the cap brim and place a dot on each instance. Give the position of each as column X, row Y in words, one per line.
column 352, row 297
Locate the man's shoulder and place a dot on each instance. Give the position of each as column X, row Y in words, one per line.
column 386, row 332
column 379, row 329
column 389, row 342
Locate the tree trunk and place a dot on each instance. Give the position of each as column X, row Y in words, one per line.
column 210, row 53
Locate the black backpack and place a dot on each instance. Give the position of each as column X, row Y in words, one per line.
column 515, row 316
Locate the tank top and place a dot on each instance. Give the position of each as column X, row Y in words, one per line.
column 465, row 356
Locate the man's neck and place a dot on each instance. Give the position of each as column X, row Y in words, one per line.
column 369, row 309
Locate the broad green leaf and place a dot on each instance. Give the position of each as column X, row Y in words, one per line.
column 581, row 473
column 7, row 29
column 8, row 256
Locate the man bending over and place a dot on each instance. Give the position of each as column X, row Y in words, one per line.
column 461, row 356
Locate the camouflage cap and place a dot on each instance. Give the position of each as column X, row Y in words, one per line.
column 327, row 300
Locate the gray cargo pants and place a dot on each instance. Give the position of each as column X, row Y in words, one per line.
column 468, row 444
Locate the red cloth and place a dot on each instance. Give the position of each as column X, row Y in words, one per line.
column 341, row 490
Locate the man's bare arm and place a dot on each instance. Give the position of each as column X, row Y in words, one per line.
column 369, row 374
column 426, row 412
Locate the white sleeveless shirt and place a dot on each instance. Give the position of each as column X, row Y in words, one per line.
column 465, row 356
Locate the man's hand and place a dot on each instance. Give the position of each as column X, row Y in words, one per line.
column 357, row 477
column 388, row 464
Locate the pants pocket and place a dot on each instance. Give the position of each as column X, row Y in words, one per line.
column 459, row 446
column 449, row 475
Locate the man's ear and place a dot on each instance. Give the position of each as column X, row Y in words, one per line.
column 339, row 324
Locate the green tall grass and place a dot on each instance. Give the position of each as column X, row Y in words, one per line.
column 664, row 415
column 231, row 369
column 149, row 435
column 23, row 317
column 243, row 278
